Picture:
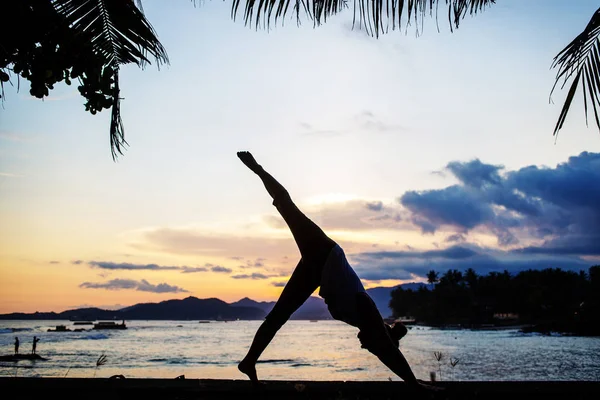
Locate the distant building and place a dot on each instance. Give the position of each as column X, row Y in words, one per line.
column 504, row 316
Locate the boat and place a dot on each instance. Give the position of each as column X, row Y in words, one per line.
column 59, row 328
column 109, row 325
column 204, row 322
column 83, row 323
column 404, row 320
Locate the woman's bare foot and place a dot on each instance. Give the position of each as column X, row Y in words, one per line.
column 248, row 159
column 249, row 369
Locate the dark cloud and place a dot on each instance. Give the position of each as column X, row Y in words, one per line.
column 475, row 173
column 584, row 245
column 374, row 205
column 278, row 284
column 77, row 262
column 218, row 268
column 455, row 206
column 456, row 237
column 130, row 284
column 410, row 264
column 255, row 275
column 54, row 262
column 192, row 270
column 132, row 267
column 559, row 206
column 451, row 253
column 107, row 265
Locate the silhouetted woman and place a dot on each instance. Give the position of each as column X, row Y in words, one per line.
column 323, row 263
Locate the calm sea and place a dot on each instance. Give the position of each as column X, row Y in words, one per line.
column 302, row 350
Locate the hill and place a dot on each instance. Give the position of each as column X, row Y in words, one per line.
column 192, row 308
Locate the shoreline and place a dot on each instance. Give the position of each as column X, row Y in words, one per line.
column 128, row 388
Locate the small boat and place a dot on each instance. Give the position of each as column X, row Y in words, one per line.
column 59, row 328
column 110, row 325
column 204, row 322
column 314, row 320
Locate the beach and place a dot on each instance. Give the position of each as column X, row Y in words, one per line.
column 91, row 389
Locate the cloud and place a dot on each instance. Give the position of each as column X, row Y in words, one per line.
column 132, row 267
column 186, row 241
column 54, row 262
column 278, row 284
column 254, row 275
column 218, row 268
column 309, row 129
column 455, row 206
column 359, row 215
column 560, row 205
column 412, row 264
column 77, row 262
column 107, row 265
column 130, row 284
column 367, row 120
column 456, row 237
column 374, row 205
column 475, row 173
column 257, row 263
column 451, row 253
column 191, row 270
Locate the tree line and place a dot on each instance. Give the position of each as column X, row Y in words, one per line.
column 545, row 300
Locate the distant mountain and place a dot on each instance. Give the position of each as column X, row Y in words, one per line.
column 192, row 308
column 189, row 308
column 313, row 308
column 266, row 306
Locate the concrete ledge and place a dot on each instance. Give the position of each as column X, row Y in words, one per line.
column 92, row 389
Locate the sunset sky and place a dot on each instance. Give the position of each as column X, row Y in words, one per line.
column 414, row 153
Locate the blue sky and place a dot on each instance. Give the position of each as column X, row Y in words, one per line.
column 398, row 146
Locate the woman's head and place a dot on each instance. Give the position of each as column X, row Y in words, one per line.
column 396, row 332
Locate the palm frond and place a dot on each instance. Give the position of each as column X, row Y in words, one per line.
column 375, row 16
column 116, row 29
column 580, row 60
column 118, row 33
column 117, row 130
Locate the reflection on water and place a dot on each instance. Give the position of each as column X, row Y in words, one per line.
column 327, row 350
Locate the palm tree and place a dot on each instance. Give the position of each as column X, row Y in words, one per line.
column 471, row 278
column 432, row 277
column 88, row 40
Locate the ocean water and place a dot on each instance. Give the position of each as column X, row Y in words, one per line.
column 302, row 350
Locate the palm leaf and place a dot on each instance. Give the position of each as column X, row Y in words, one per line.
column 580, row 60
column 119, row 34
column 116, row 29
column 375, row 16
